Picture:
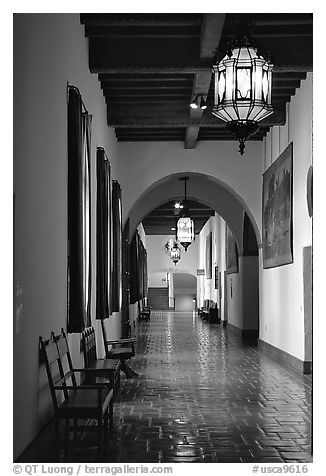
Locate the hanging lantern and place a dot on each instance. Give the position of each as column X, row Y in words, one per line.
column 185, row 231
column 175, row 253
column 242, row 89
column 185, row 225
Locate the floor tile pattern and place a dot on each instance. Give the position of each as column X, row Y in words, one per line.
column 201, row 396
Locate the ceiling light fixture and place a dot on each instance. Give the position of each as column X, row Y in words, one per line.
column 198, row 102
column 175, row 253
column 185, row 225
column 242, row 88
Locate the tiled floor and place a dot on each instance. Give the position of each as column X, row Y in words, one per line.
column 203, row 397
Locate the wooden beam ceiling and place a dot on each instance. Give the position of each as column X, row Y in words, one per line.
column 150, row 66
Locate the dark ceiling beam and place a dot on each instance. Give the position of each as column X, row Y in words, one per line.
column 109, row 32
column 284, row 76
column 134, row 88
column 163, row 78
column 139, row 19
column 210, row 37
column 173, row 115
column 134, row 93
column 185, row 68
column 294, row 67
column 291, row 66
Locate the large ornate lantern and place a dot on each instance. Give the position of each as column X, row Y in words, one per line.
column 185, row 225
column 242, row 88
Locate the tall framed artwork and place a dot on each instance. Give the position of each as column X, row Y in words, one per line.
column 103, row 234
column 209, row 245
column 79, row 123
column 277, row 211
column 232, row 265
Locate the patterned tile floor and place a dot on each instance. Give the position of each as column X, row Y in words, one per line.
column 201, row 396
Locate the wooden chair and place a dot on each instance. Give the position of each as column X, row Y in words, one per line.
column 144, row 310
column 72, row 401
column 122, row 349
column 214, row 314
column 99, row 371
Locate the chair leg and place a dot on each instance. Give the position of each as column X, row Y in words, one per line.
column 106, row 424
column 57, row 430
column 111, row 418
column 100, row 437
column 127, row 370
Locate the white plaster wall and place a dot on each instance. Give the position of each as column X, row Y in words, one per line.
column 158, row 280
column 50, row 50
column 281, row 297
column 206, row 287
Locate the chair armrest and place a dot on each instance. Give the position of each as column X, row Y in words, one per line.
column 86, row 369
column 78, row 387
column 122, row 341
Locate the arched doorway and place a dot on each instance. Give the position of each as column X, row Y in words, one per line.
column 210, row 191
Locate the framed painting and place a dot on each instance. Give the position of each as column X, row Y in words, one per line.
column 209, row 256
column 232, row 265
column 277, row 211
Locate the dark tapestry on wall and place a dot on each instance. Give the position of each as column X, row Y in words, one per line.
column 232, row 265
column 103, row 234
column 277, row 211
column 79, row 216
column 208, row 266
column 116, row 271
column 138, row 270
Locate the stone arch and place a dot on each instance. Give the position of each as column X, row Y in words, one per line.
column 202, row 187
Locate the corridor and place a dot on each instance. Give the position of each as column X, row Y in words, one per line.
column 203, row 397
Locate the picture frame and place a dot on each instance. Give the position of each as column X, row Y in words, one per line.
column 232, row 260
column 277, row 211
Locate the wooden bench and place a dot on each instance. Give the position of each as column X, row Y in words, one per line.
column 73, row 402
column 144, row 310
column 99, row 370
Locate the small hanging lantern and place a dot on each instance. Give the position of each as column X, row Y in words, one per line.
column 185, row 225
column 242, row 88
column 175, row 253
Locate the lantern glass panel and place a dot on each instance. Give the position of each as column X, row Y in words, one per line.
column 243, row 83
column 229, row 80
column 265, row 85
column 221, row 86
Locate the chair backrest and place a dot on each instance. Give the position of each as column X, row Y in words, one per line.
column 88, row 346
column 67, row 368
column 56, row 356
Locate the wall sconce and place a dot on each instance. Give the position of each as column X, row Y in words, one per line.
column 198, row 102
